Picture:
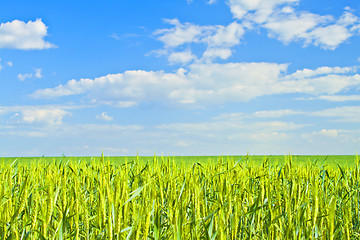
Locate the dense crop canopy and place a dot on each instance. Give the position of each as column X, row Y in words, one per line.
column 163, row 200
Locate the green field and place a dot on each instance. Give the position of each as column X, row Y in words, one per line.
column 344, row 160
column 235, row 197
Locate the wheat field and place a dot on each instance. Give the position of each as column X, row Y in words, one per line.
column 162, row 199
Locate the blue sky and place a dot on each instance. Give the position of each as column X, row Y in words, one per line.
column 181, row 77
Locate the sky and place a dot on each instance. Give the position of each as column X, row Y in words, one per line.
column 180, row 77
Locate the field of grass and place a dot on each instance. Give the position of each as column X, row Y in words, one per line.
column 236, row 197
column 298, row 160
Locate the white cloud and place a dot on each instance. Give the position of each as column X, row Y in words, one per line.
column 28, row 133
column 212, row 83
column 204, row 84
column 276, row 113
column 129, row 87
column 38, row 115
column 329, row 84
column 229, row 127
column 105, row 117
column 218, row 39
column 260, row 9
column 322, row 31
column 323, row 80
column 329, row 132
column 7, row 64
column 340, row 141
column 20, row 35
column 227, row 133
column 339, row 98
column 232, row 135
column 234, row 116
column 278, row 17
column 225, row 36
column 43, row 116
column 330, row 37
column 111, row 131
column 293, row 26
column 341, row 114
column 117, row 104
column 181, row 57
column 36, row 74
column 306, row 73
column 24, row 76
column 63, row 132
column 181, row 33
column 287, row 25
column 212, row 53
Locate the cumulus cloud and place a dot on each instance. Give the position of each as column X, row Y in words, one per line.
column 38, row 115
column 26, row 36
column 330, row 37
column 292, row 27
column 43, row 116
column 204, row 84
column 181, row 33
column 105, row 117
column 181, row 57
column 286, row 24
column 218, row 39
column 128, row 87
column 212, row 53
column 225, row 36
column 323, row 80
column 260, row 10
column 311, row 28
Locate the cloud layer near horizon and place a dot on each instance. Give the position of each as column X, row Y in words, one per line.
column 205, row 84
